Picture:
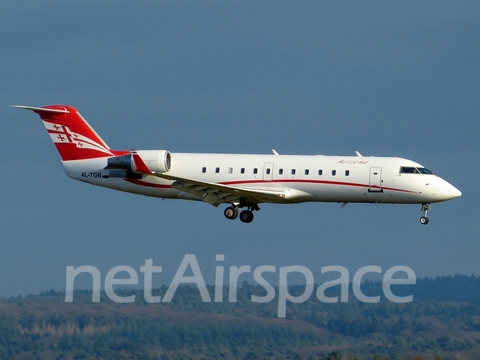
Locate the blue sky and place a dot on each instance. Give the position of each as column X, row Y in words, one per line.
column 311, row 77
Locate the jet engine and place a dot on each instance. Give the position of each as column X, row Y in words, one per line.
column 156, row 160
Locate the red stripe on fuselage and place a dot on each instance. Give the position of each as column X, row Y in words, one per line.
column 324, row 182
column 147, row 184
column 246, row 182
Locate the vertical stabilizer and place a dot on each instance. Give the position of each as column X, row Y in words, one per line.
column 73, row 137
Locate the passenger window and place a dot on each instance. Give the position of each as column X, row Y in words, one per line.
column 204, row 170
column 347, row 172
column 268, row 171
column 334, row 172
column 242, row 171
column 307, row 171
column 293, row 171
column 217, row 170
column 255, row 170
column 230, row 170
column 320, row 172
column 280, row 171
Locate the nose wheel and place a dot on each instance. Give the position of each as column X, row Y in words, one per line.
column 424, row 218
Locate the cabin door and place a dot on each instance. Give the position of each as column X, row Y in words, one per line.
column 375, row 179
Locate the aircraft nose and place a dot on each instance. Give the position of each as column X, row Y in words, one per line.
column 451, row 191
column 456, row 193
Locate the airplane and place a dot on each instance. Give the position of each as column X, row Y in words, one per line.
column 239, row 180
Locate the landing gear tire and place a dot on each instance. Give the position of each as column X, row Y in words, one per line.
column 231, row 213
column 424, row 220
column 246, row 216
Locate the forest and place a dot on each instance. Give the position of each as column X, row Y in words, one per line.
column 442, row 322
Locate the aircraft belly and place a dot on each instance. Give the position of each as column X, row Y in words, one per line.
column 357, row 193
column 344, row 194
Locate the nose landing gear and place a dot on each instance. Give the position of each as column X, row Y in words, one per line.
column 424, row 218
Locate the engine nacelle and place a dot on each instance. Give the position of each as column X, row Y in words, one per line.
column 156, row 160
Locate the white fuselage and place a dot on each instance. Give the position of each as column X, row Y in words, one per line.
column 243, row 181
column 301, row 177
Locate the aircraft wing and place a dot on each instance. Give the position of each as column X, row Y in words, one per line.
column 215, row 194
column 212, row 193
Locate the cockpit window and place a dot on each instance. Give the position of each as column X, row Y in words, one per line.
column 414, row 170
column 409, row 170
column 425, row 171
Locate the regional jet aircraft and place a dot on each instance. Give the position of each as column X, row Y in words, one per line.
column 240, row 181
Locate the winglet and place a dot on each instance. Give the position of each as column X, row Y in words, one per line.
column 140, row 165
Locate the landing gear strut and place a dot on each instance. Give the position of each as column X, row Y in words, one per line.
column 424, row 218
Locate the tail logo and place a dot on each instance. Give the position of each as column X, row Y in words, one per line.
column 63, row 135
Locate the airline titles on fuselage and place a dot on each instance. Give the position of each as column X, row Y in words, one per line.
column 352, row 162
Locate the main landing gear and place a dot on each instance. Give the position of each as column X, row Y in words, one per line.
column 246, row 216
column 424, row 218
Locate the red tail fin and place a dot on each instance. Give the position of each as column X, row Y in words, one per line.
column 70, row 132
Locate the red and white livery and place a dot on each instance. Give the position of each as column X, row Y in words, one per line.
column 241, row 181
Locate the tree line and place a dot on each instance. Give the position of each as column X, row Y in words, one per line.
column 435, row 325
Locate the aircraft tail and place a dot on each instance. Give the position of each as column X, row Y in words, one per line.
column 73, row 137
